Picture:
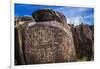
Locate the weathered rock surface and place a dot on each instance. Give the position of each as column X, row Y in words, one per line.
column 48, row 41
column 48, row 15
column 48, row 44
column 84, row 41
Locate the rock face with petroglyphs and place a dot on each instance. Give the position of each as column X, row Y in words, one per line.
column 47, row 40
column 48, row 44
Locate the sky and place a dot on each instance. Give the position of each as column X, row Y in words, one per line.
column 74, row 15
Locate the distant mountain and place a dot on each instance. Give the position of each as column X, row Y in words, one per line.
column 22, row 18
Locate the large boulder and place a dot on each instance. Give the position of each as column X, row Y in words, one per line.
column 84, row 42
column 48, row 15
column 48, row 44
column 46, row 41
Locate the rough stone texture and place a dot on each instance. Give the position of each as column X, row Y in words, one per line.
column 48, row 40
column 84, row 41
column 19, row 58
column 43, row 43
column 48, row 15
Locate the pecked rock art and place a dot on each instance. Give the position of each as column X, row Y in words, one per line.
column 48, row 40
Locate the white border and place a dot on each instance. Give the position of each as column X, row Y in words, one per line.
column 12, row 35
column 75, row 3
column 81, row 3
